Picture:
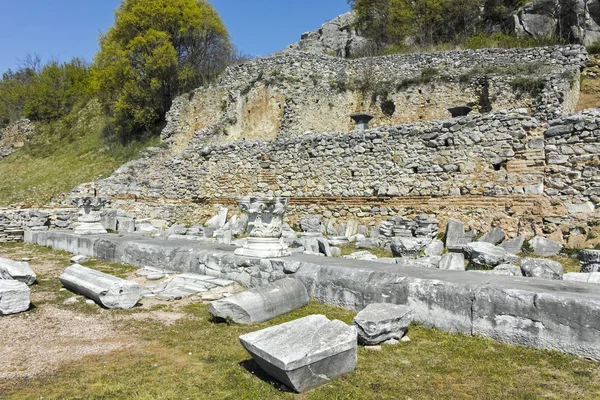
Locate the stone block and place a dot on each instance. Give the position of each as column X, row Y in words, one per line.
column 488, row 255
column 379, row 322
column 545, row 247
column 79, row 259
column 514, row 245
column 453, row 261
column 17, row 270
column 507, row 270
column 593, row 277
column 14, row 297
column 456, row 238
column 542, row 268
column 304, row 353
column 408, row 247
column 261, row 303
column 495, row 236
column 435, row 248
column 324, row 247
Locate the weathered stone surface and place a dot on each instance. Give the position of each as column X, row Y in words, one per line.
column 408, row 247
column 456, row 238
column 592, row 277
column 486, row 254
column 514, row 245
column 338, row 36
column 379, row 322
column 495, row 236
column 79, row 259
column 581, row 208
column 361, row 255
column 14, row 297
column 106, row 290
column 218, row 221
column 435, row 248
column 538, row 313
column 261, row 303
column 324, row 247
column 17, row 270
column 368, row 243
column 542, row 268
column 589, row 260
column 453, row 261
column 304, row 353
column 545, row 247
column 508, row 270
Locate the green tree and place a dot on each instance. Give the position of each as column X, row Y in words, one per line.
column 156, row 50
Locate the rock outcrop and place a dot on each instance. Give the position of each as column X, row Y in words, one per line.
column 577, row 21
column 337, row 37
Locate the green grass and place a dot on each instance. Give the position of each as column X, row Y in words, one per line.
column 198, row 359
column 62, row 155
column 379, row 252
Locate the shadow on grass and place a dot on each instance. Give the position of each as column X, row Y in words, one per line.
column 252, row 367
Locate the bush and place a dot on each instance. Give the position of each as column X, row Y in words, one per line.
column 594, row 48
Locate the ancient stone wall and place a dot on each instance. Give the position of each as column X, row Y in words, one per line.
column 294, row 93
column 13, row 222
column 505, row 168
column 14, row 136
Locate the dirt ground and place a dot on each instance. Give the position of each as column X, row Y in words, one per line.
column 39, row 341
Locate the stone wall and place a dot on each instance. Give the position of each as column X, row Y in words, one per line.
column 14, row 136
column 13, row 222
column 496, row 169
column 294, row 93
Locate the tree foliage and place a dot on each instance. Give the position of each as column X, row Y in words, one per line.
column 430, row 22
column 43, row 93
column 156, row 50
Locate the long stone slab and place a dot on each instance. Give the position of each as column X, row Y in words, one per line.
column 560, row 315
column 106, row 290
column 261, row 303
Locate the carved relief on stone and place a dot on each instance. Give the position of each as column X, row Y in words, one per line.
column 90, row 214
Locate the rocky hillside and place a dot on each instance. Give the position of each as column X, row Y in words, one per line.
column 573, row 21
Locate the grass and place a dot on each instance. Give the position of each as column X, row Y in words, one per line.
column 62, row 155
column 379, row 252
column 198, row 359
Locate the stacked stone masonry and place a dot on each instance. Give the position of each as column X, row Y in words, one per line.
column 13, row 222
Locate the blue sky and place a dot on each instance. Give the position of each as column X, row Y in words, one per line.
column 63, row 29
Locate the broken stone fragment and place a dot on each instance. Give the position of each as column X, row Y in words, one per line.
column 380, row 322
column 495, row 236
column 79, row 259
column 508, row 270
column 545, row 247
column 593, row 277
column 542, row 268
column 14, row 297
column 453, row 261
column 589, row 260
column 106, row 290
column 488, row 255
column 514, row 245
column 17, row 270
column 261, row 303
column 304, row 353
column 435, row 248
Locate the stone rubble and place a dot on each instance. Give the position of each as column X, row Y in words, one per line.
column 542, row 268
column 545, row 247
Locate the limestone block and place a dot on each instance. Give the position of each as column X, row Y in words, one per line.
column 362, row 255
column 17, row 270
column 324, row 247
column 408, row 247
column 453, row 261
column 486, row 254
column 542, row 268
column 586, row 208
column 435, row 248
column 14, row 297
column 218, row 221
column 379, row 322
column 79, row 259
column 495, row 236
column 106, row 290
column 545, row 247
column 514, row 245
column 261, row 303
column 456, row 238
column 304, row 353
column 368, row 243
column 593, row 277
column 508, row 270
column 352, row 228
